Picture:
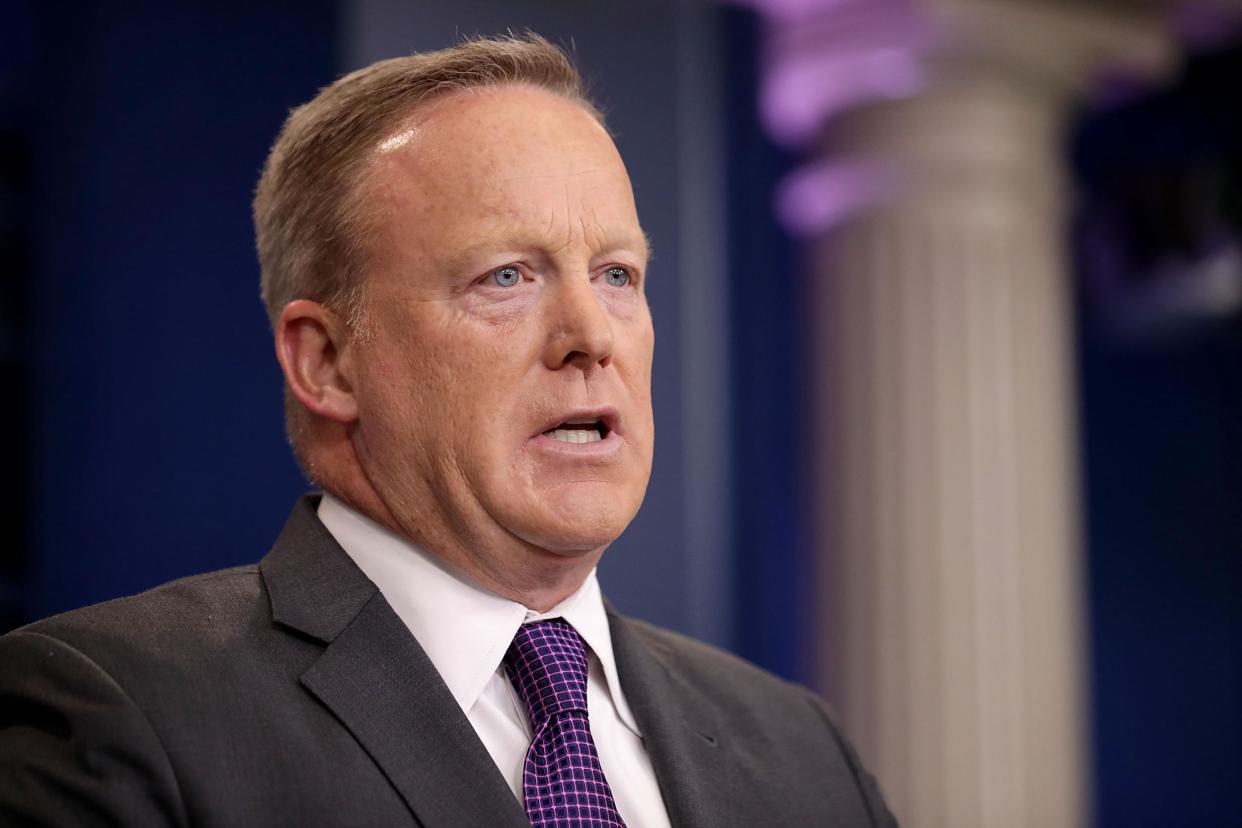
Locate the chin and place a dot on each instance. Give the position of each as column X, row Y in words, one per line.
column 572, row 531
column 572, row 538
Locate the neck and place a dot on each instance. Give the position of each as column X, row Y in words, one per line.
column 534, row 577
column 497, row 560
column 539, row 588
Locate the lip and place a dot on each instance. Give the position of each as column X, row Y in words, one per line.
column 606, row 414
column 602, row 449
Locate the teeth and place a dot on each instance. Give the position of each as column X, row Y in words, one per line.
column 574, row 435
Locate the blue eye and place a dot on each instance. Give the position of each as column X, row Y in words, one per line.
column 617, row 276
column 506, row 276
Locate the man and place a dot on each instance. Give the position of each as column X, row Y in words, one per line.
column 454, row 270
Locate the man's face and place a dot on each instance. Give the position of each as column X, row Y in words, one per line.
column 504, row 386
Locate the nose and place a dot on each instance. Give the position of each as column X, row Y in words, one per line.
column 579, row 327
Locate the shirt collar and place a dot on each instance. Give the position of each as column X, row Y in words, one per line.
column 464, row 628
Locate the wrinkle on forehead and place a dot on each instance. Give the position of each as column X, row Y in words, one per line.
column 537, row 175
column 582, row 226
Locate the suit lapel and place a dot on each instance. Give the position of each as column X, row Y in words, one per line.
column 680, row 731
column 379, row 683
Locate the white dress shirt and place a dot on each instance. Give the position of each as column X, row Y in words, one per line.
column 465, row 631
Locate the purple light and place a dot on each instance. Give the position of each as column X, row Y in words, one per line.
column 822, row 57
column 840, row 54
column 1206, row 25
column 819, row 196
column 801, row 95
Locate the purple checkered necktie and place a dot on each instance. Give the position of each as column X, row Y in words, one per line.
column 563, row 782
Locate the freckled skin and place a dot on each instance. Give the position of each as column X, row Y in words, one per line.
column 459, row 374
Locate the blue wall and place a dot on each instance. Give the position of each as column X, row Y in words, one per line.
column 1164, row 483
column 155, row 436
column 1161, row 410
column 768, row 354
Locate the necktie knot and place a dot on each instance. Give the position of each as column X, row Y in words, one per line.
column 547, row 664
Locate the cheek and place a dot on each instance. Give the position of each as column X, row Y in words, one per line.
column 639, row 349
column 470, row 377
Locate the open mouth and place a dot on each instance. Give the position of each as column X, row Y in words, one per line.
column 578, row 431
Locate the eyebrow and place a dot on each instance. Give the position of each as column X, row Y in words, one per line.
column 460, row 259
column 648, row 250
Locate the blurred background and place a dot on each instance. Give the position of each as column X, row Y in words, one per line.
column 948, row 301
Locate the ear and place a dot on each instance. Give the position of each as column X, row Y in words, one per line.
column 311, row 345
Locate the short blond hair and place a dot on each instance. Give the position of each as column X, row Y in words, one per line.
column 311, row 230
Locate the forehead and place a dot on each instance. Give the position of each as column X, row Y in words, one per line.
column 497, row 155
column 484, row 121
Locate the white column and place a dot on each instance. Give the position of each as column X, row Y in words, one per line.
column 950, row 585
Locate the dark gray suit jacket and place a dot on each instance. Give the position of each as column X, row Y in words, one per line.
column 291, row 694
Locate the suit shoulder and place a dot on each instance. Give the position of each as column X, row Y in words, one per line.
column 713, row 669
column 784, row 723
column 199, row 608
